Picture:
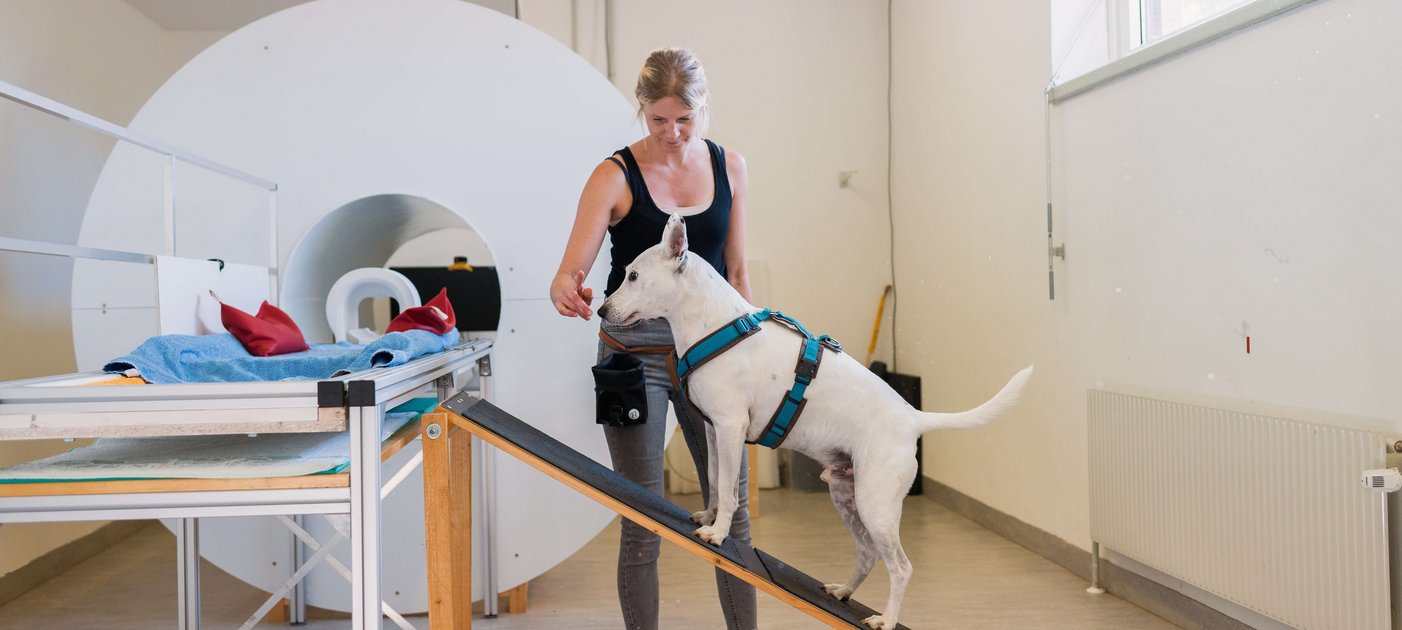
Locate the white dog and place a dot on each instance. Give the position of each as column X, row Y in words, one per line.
column 856, row 426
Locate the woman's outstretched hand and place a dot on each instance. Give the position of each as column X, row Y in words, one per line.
column 569, row 295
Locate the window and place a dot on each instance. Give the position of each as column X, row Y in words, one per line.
column 1139, row 33
column 1158, row 19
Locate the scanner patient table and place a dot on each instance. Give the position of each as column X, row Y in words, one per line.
column 70, row 407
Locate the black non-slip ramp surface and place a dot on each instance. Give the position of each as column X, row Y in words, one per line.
column 663, row 512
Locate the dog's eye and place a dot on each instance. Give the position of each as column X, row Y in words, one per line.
column 632, row 276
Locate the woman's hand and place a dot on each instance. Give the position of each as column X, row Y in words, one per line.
column 569, row 295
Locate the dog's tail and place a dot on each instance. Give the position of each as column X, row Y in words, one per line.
column 996, row 406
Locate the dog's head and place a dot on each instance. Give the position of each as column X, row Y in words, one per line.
column 653, row 279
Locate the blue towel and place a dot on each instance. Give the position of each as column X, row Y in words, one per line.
column 222, row 359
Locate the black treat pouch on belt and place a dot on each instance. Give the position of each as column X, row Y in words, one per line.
column 620, row 395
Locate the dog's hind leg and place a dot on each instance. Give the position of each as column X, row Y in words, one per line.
column 844, row 497
column 729, row 447
column 880, row 492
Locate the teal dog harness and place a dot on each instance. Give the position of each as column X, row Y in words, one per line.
column 809, row 357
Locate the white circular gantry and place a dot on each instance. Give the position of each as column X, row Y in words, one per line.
column 380, row 122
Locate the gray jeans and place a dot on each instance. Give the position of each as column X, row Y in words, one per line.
column 637, row 454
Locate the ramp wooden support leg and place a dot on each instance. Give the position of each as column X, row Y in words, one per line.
column 447, row 472
column 516, row 599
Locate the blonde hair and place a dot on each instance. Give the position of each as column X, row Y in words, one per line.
column 675, row 72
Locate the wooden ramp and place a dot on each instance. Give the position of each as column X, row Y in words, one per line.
column 670, row 521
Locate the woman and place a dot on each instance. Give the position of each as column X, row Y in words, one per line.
column 672, row 170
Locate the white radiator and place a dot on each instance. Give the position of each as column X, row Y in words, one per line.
column 1262, row 511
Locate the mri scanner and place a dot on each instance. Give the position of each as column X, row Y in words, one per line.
column 381, row 122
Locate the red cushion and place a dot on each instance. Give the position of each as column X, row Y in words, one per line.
column 436, row 317
column 268, row 333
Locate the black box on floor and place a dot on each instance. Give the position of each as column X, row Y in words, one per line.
column 803, row 471
column 908, row 386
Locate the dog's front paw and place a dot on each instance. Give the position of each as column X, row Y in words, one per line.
column 879, row 622
column 839, row 591
column 704, row 517
column 710, row 535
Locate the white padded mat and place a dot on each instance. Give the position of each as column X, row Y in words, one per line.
column 201, row 457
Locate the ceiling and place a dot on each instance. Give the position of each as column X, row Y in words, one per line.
column 230, row 15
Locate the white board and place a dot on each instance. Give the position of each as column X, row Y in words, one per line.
column 183, row 286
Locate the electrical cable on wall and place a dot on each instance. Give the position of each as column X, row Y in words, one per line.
column 608, row 38
column 890, row 192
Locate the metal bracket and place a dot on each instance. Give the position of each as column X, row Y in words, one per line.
column 1095, row 587
column 484, row 366
column 360, row 393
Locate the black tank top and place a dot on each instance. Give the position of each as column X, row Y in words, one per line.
column 642, row 227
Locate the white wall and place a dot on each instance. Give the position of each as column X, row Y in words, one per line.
column 105, row 58
column 970, row 253
column 799, row 88
column 578, row 24
column 1250, row 181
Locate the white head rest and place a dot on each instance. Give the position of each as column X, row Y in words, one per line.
column 343, row 302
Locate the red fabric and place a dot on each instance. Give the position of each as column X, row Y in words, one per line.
column 268, row 333
column 436, row 317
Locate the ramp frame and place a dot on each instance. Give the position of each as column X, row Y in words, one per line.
column 447, row 457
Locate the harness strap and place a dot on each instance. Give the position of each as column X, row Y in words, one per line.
column 831, row 343
column 719, row 341
column 736, row 331
column 793, row 402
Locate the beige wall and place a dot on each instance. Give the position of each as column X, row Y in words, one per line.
column 105, row 58
column 799, row 87
column 970, row 253
column 1249, row 182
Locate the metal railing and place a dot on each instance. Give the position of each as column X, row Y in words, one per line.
column 170, row 153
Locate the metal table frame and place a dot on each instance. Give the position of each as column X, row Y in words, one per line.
column 63, row 407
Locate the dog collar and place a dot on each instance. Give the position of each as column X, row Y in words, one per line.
column 725, row 337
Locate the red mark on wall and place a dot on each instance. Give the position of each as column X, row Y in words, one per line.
column 1248, row 345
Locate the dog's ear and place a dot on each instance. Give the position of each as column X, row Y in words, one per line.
column 674, row 236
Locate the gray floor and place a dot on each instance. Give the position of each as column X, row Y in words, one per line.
column 965, row 577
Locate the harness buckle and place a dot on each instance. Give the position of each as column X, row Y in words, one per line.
column 806, row 370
